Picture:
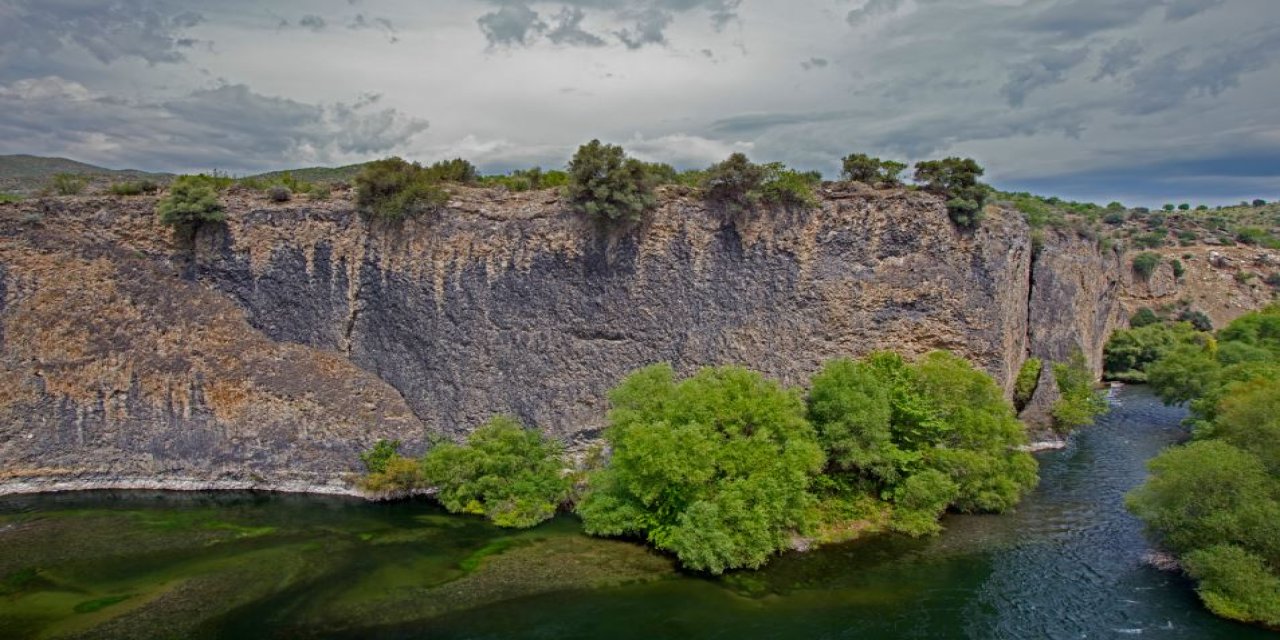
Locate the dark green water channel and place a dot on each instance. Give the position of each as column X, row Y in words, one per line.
column 1068, row 564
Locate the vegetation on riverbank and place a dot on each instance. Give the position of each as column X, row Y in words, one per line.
column 1216, row 500
column 726, row 468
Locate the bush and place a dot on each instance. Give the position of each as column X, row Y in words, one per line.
column 1273, row 280
column 279, row 194
column 715, row 468
column 9, row 197
column 1025, row 385
column 735, row 183
column 1078, row 402
column 1145, row 263
column 399, row 474
column 1236, row 584
column 375, row 460
column 191, row 202
column 456, row 170
column 69, row 184
column 1143, row 317
column 1197, row 319
column 956, row 179
column 1178, row 269
column 134, row 188
column 608, row 186
column 511, row 475
column 860, row 167
column 1114, row 217
column 393, row 189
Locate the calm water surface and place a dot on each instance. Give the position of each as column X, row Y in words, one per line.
column 1067, row 564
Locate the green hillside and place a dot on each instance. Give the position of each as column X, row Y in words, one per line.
column 27, row 174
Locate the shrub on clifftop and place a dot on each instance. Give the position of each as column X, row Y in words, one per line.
column 956, row 179
column 607, row 185
column 393, row 189
column 860, row 167
column 191, row 202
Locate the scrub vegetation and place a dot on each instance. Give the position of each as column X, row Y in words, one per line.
column 1216, row 500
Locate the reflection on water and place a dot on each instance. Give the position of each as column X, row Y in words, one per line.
column 1067, row 564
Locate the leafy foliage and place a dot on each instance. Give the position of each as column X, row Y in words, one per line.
column 740, row 186
column 191, row 202
column 1217, row 499
column 1130, row 351
column 607, row 185
column 884, row 422
column 68, row 184
column 715, row 468
column 956, row 179
column 1024, row 385
column 860, row 167
column 375, row 460
column 393, row 189
column 511, row 475
column 1078, row 402
column 1145, row 263
column 134, row 188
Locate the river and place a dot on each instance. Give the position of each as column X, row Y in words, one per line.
column 1067, row 564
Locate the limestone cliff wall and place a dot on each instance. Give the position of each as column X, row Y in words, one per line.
column 290, row 339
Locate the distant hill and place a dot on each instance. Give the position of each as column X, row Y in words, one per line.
column 27, row 174
column 316, row 174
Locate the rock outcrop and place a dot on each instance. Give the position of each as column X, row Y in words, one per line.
column 291, row 338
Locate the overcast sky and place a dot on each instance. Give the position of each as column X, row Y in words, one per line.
column 1143, row 101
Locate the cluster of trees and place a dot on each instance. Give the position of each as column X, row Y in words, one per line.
column 725, row 467
column 1216, row 500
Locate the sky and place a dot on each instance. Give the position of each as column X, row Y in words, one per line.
column 1142, row 101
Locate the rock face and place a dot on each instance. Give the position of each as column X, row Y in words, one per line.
column 282, row 344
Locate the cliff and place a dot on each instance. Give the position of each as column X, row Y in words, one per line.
column 283, row 343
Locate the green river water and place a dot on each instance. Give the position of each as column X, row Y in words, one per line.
column 1067, row 564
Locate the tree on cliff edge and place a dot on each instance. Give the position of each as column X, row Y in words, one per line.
column 607, row 185
column 191, row 202
column 956, row 179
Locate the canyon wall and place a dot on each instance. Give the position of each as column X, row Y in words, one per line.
column 284, row 342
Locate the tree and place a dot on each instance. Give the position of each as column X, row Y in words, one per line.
column 1184, row 207
column 511, row 475
column 715, row 468
column 1169, row 207
column 606, row 185
column 191, row 202
column 1236, row 584
column 1259, row 203
column 1078, row 403
column 943, row 416
column 860, row 167
column 956, row 179
column 851, row 409
column 393, row 189
column 1208, row 493
column 735, row 183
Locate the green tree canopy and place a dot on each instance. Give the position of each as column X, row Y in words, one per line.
column 714, row 468
column 607, row 185
column 511, row 475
